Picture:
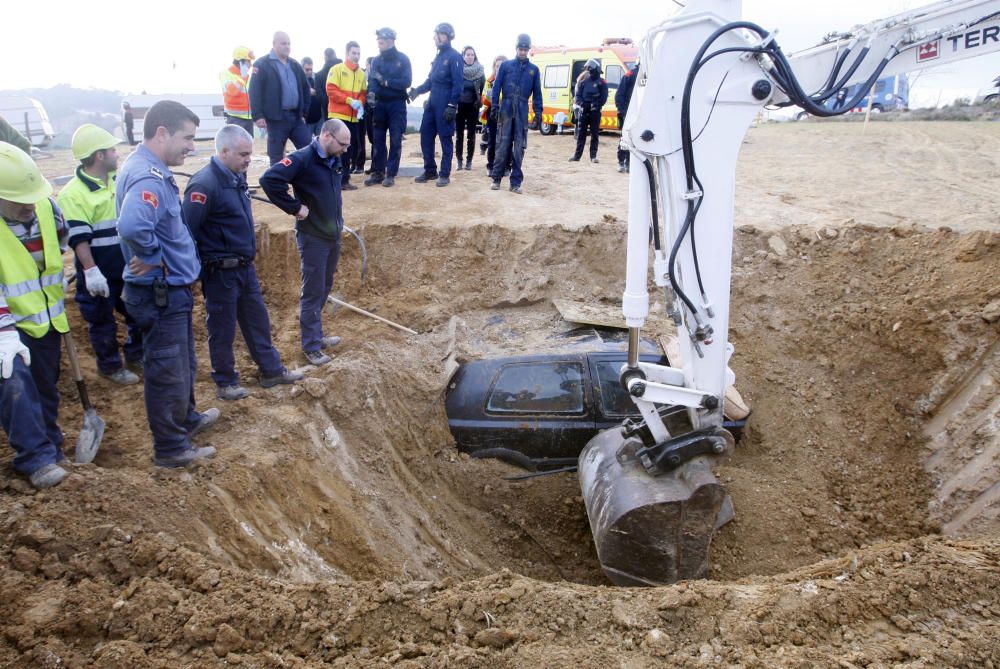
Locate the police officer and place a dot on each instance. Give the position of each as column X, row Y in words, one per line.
column 315, row 173
column 622, row 98
column 32, row 316
column 591, row 94
column 217, row 211
column 161, row 265
column 445, row 84
column 235, row 99
column 516, row 81
column 389, row 76
column 88, row 203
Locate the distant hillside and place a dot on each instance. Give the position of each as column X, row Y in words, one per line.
column 70, row 107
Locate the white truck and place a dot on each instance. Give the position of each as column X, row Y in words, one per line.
column 29, row 117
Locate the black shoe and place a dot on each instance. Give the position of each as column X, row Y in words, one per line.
column 495, row 185
column 425, row 177
column 374, row 180
column 389, row 182
column 468, row 165
column 516, row 189
column 348, row 186
column 360, row 170
column 594, row 160
column 574, row 159
column 442, row 181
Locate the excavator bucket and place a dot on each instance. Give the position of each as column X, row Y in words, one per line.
column 650, row 530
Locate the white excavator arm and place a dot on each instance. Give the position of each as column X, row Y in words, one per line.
column 651, row 497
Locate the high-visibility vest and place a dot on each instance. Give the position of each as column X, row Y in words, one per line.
column 235, row 99
column 35, row 298
column 343, row 84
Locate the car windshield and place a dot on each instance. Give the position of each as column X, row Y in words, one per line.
column 538, row 387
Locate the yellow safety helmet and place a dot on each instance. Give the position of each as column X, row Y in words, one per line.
column 242, row 53
column 89, row 139
column 20, row 179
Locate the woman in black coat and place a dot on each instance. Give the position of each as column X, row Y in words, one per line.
column 468, row 106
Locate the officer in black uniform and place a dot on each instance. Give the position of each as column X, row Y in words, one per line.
column 591, row 94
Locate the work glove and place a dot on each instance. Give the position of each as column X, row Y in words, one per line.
column 10, row 348
column 450, row 112
column 97, row 285
column 361, row 113
column 377, row 76
column 411, row 94
column 371, row 100
column 355, row 104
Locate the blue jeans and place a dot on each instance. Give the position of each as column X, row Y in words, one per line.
column 319, row 263
column 29, row 404
column 99, row 312
column 233, row 296
column 168, row 364
column 432, row 126
column 292, row 127
column 389, row 116
column 512, row 138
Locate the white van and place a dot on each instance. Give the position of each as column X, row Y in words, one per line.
column 29, row 117
column 208, row 107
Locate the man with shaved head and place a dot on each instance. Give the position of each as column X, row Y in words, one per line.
column 280, row 97
column 315, row 174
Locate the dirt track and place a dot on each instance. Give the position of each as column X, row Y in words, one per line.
column 339, row 527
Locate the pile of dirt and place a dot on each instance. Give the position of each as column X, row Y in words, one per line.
column 339, row 526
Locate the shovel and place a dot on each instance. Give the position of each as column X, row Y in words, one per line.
column 93, row 426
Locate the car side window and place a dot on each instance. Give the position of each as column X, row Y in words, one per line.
column 614, row 400
column 538, row 388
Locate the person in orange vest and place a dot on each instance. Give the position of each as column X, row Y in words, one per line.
column 347, row 90
column 235, row 100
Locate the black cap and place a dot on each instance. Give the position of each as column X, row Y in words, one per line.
column 446, row 29
column 385, row 33
column 523, row 41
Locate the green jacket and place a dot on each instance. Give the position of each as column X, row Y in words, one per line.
column 9, row 134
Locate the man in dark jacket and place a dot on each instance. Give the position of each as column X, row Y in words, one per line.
column 389, row 76
column 315, row 174
column 316, row 114
column 280, row 98
column 329, row 60
column 445, row 84
column 622, row 97
column 591, row 94
column 217, row 211
column 516, row 81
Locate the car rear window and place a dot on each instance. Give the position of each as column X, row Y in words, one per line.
column 538, row 387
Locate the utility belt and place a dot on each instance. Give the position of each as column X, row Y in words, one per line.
column 226, row 263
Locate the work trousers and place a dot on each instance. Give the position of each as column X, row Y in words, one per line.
column 169, row 364
column 389, row 116
column 99, row 312
column 29, row 404
column 588, row 123
column 623, row 155
column 233, row 296
column 369, row 123
column 353, row 156
column 465, row 123
column 512, row 139
column 319, row 258
column 433, row 126
column 245, row 123
column 292, row 127
column 491, row 141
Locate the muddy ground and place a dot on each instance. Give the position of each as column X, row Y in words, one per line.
column 338, row 525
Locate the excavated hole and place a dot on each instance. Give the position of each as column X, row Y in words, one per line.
column 370, row 485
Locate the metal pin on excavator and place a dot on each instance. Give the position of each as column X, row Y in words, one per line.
column 652, row 499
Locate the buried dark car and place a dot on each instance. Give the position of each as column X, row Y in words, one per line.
column 540, row 410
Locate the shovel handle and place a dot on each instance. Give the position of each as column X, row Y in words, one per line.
column 74, row 363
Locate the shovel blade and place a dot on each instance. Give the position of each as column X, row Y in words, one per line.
column 89, row 440
column 650, row 530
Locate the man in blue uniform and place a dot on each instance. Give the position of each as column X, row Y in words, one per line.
column 622, row 98
column 280, row 97
column 315, row 174
column 389, row 76
column 218, row 213
column 516, row 81
column 591, row 94
column 445, row 84
column 161, row 265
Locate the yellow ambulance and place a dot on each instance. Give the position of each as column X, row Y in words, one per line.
column 560, row 66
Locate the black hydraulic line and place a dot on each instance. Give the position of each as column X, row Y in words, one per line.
column 655, row 224
column 830, row 92
column 834, row 72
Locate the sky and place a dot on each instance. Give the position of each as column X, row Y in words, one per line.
column 185, row 46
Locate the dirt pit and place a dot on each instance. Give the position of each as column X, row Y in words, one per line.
column 339, row 526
